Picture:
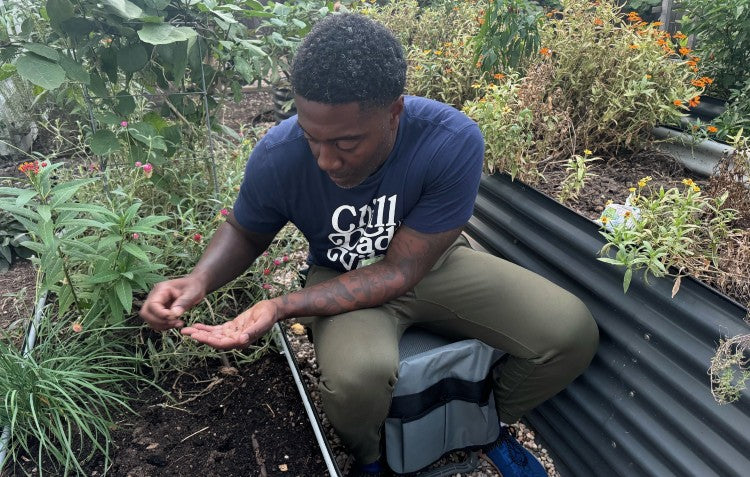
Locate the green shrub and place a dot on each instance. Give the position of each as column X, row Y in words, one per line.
column 615, row 75
column 508, row 36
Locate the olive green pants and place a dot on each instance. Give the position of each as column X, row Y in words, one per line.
column 548, row 333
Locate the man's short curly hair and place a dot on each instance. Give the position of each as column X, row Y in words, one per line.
column 349, row 58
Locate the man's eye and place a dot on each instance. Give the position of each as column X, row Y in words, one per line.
column 347, row 144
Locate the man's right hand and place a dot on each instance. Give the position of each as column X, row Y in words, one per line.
column 169, row 300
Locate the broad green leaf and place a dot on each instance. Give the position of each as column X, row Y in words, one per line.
column 7, row 70
column 626, row 280
column 132, row 58
column 135, row 251
column 104, row 142
column 125, row 104
column 45, row 212
column 123, row 8
column 146, row 134
column 157, row 4
column 25, row 196
column 74, row 70
column 125, row 294
column 98, row 86
column 245, row 69
column 115, row 308
column 42, row 50
column 151, row 220
column 108, row 118
column 64, row 299
column 34, row 246
column 78, row 27
column 104, row 277
column 164, row 33
column 40, row 71
column 59, row 11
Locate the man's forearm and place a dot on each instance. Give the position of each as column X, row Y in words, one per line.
column 362, row 288
column 230, row 252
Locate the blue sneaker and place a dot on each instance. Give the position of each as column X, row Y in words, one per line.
column 512, row 459
column 375, row 469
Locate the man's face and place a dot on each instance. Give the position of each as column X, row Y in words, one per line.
column 348, row 143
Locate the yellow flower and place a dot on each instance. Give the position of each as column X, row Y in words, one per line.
column 696, row 188
column 476, row 85
column 641, row 183
column 608, row 203
column 631, row 189
column 426, row 52
column 604, row 219
column 438, row 52
column 587, row 152
column 688, row 182
column 627, row 214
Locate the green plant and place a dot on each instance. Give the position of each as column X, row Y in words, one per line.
column 281, row 31
column 722, row 33
column 93, row 257
column 578, row 173
column 507, row 130
column 61, row 397
column 730, row 369
column 508, row 35
column 665, row 229
column 12, row 234
column 614, row 75
column 445, row 73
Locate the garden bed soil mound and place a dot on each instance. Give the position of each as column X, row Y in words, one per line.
column 251, row 423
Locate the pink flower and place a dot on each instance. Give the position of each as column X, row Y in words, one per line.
column 266, row 271
column 124, row 124
column 138, row 164
column 44, row 164
column 197, row 237
column 276, row 261
column 136, row 236
column 265, row 254
column 224, row 212
column 148, row 170
column 266, row 286
column 77, row 327
column 286, row 258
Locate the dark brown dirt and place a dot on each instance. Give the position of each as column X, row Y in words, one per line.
column 249, row 424
column 17, row 288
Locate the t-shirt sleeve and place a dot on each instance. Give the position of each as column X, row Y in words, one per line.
column 451, row 184
column 257, row 207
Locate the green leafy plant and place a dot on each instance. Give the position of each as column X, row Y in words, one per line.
column 666, row 229
column 614, row 75
column 577, row 168
column 507, row 130
column 508, row 36
column 93, row 257
column 12, row 234
column 61, row 396
column 722, row 31
column 730, row 369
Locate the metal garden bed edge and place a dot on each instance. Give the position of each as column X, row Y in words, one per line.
column 644, row 406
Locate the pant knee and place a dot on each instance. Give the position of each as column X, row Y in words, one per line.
column 359, row 382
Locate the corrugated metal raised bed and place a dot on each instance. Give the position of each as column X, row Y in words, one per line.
column 644, row 406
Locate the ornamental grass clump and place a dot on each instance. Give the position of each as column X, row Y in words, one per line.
column 666, row 231
column 619, row 76
column 59, row 400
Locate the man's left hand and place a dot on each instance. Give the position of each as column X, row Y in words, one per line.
column 238, row 333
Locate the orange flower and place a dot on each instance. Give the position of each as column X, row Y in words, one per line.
column 498, row 76
column 699, row 83
column 657, row 24
column 545, row 51
column 712, row 129
column 694, row 101
column 707, row 80
column 634, row 46
column 648, row 76
column 684, row 51
column 677, row 102
column 77, row 327
column 598, row 21
column 679, row 35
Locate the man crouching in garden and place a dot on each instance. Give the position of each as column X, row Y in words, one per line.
column 381, row 186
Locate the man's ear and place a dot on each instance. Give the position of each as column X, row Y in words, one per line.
column 395, row 110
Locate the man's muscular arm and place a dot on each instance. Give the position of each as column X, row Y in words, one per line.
column 410, row 256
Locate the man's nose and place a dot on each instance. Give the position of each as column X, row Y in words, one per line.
column 327, row 157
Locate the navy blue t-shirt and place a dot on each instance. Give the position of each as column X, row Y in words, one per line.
column 429, row 182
